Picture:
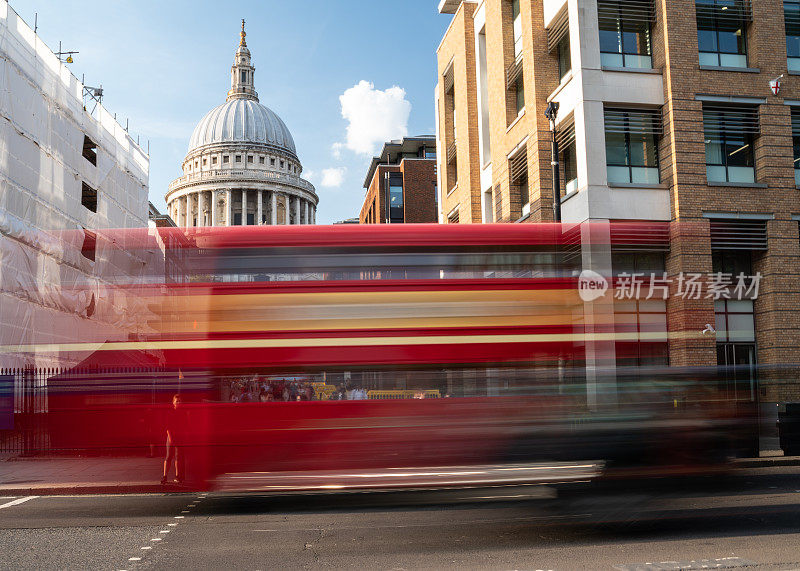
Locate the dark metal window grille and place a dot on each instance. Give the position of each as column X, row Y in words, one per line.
column 728, row 12
column 732, row 119
column 639, row 237
column 565, row 132
column 558, row 28
column 514, row 72
column 498, row 204
column 796, row 136
column 627, row 10
column 518, row 166
column 452, row 151
column 791, row 17
column 738, row 234
column 449, row 81
column 640, row 121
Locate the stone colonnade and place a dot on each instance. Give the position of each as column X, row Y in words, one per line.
column 242, row 208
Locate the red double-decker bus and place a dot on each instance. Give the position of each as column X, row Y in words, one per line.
column 327, row 357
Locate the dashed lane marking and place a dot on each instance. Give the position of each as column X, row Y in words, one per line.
column 721, row 563
column 17, row 502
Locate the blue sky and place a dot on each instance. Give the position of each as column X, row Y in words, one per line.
column 165, row 64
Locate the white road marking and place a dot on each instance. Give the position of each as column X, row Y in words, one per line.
column 134, row 558
column 178, row 517
column 172, row 524
column 164, row 531
column 17, row 502
column 156, row 539
column 147, row 547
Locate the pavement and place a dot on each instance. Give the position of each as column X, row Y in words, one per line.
column 21, row 475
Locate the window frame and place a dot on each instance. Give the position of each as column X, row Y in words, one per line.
column 621, row 35
column 629, row 164
column 717, row 28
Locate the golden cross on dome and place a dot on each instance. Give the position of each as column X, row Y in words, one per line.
column 243, row 34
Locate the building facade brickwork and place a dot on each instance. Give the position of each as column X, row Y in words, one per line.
column 726, row 147
column 408, row 196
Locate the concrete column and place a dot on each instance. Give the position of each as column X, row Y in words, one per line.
column 287, row 210
column 229, row 208
column 202, row 206
column 274, row 207
column 297, row 210
column 182, row 212
column 244, row 208
column 260, row 209
column 308, row 212
column 213, row 207
column 313, row 214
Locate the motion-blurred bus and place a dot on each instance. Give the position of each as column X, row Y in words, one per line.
column 341, row 357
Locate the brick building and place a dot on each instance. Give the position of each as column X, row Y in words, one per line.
column 666, row 114
column 401, row 183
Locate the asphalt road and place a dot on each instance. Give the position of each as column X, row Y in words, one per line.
column 751, row 521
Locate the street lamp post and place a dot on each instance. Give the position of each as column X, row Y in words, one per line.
column 551, row 113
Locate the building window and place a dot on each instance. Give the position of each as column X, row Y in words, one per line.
column 261, row 160
column 450, row 131
column 452, row 218
column 238, row 158
column 283, row 164
column 625, row 33
column 515, row 90
column 272, row 161
column 516, row 20
column 564, row 58
column 244, row 76
column 395, row 184
column 213, row 160
column 250, row 159
column 251, row 219
column 632, row 145
column 791, row 16
column 89, row 247
column 205, row 162
column 237, row 218
column 730, row 133
column 734, row 321
column 722, row 32
column 518, row 178
column 430, row 153
column 88, row 197
column 558, row 42
column 568, row 158
column 89, row 150
column 226, row 159
column 796, row 143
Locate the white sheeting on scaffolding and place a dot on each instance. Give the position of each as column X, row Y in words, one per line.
column 50, row 292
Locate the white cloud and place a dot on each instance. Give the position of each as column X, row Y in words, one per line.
column 308, row 175
column 336, row 150
column 333, row 178
column 373, row 116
